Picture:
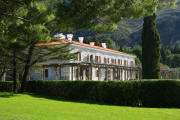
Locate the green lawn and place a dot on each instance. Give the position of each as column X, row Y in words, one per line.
column 27, row 107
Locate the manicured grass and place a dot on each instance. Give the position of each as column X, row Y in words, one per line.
column 27, row 107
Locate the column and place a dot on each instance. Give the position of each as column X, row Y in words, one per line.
column 117, row 73
column 90, row 72
column 60, row 76
column 113, row 74
column 42, row 73
column 56, row 70
column 78, row 74
column 120, row 73
column 99, row 73
column 72, row 73
column 106, row 73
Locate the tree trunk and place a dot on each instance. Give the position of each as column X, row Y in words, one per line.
column 150, row 49
column 2, row 73
column 14, row 72
column 27, row 67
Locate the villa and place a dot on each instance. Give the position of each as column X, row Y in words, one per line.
column 92, row 63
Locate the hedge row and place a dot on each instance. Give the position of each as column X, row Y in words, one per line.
column 6, row 86
column 155, row 93
column 147, row 93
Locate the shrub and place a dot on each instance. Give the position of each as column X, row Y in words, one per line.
column 121, row 93
column 160, row 93
column 147, row 93
column 151, row 93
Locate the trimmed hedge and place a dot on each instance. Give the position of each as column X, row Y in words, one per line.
column 121, row 93
column 160, row 93
column 146, row 93
column 6, row 86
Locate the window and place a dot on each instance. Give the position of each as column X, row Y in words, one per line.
column 132, row 63
column 119, row 61
column 76, row 72
column 96, row 58
column 99, row 59
column 125, row 62
column 97, row 73
column 91, row 58
column 115, row 61
column 87, row 58
column 108, row 60
column 46, row 73
column 105, row 60
column 112, row 61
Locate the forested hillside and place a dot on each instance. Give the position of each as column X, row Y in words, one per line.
column 129, row 30
column 168, row 23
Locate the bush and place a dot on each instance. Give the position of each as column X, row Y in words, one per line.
column 121, row 93
column 160, row 93
column 151, row 93
column 6, row 86
column 146, row 93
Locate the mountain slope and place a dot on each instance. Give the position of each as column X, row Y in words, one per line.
column 168, row 24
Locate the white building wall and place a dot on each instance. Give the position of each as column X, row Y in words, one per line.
column 51, row 74
column 65, row 73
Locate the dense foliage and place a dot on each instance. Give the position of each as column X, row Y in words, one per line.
column 170, row 55
column 151, row 93
column 150, row 49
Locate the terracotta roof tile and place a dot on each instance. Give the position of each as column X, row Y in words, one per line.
column 81, row 44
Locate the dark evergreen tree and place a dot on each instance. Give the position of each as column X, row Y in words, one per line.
column 150, row 49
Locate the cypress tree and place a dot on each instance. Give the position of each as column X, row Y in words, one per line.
column 150, row 49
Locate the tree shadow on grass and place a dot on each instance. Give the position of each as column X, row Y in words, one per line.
column 92, row 102
column 66, row 99
column 75, row 100
column 6, row 94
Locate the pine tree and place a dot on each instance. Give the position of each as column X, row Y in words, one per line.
column 150, row 49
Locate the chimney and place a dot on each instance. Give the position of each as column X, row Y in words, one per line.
column 92, row 43
column 69, row 37
column 104, row 45
column 57, row 35
column 81, row 39
column 60, row 35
